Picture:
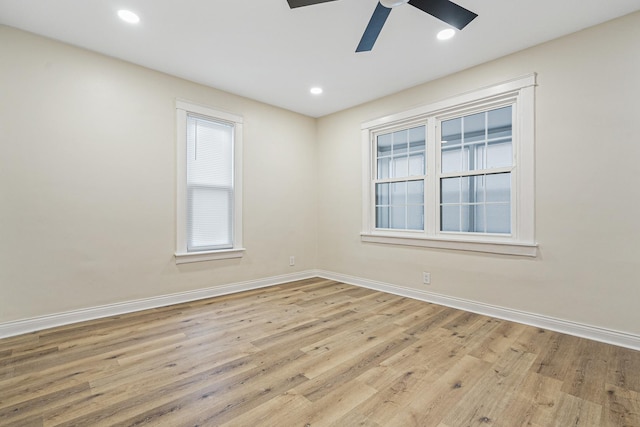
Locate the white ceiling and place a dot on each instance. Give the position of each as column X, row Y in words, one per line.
column 264, row 50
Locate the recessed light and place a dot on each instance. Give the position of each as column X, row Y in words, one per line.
column 315, row 90
column 446, row 34
column 128, row 16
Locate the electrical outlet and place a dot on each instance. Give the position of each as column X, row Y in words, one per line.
column 292, row 261
column 426, row 278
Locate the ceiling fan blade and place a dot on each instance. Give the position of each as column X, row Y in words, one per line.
column 444, row 10
column 300, row 3
column 373, row 28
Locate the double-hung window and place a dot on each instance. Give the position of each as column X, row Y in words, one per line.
column 457, row 174
column 209, row 202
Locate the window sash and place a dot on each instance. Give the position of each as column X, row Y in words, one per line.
column 406, row 215
column 205, row 234
column 209, row 168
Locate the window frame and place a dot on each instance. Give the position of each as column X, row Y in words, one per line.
column 520, row 94
column 182, row 254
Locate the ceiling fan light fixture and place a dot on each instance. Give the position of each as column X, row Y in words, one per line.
column 393, row 3
column 446, row 34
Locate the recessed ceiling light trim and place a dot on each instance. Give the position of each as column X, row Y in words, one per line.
column 128, row 16
column 446, row 34
column 316, row 90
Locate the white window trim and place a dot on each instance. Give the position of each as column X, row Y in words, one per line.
column 522, row 239
column 182, row 255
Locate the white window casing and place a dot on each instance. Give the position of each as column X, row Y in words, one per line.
column 520, row 240
column 217, row 223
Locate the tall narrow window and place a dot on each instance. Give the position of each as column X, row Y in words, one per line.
column 209, row 193
column 209, row 184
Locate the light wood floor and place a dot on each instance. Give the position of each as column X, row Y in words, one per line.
column 313, row 353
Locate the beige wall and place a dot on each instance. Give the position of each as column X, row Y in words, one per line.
column 87, row 182
column 587, row 187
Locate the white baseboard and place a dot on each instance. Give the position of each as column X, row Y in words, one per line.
column 595, row 333
column 59, row 319
column 622, row 339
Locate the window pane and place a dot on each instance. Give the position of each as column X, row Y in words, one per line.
column 382, row 217
column 450, row 190
column 465, row 188
column 473, row 156
column 383, row 167
column 478, row 218
column 398, row 193
column 417, row 138
column 416, row 164
column 450, row 218
column 499, row 187
column 499, row 122
column 452, row 131
column 477, row 189
column 499, row 154
column 415, row 192
column 451, row 158
column 474, row 128
column 499, row 218
column 384, row 145
column 415, row 217
column 400, row 142
column 466, row 218
column 382, row 194
column 400, row 167
column 398, row 217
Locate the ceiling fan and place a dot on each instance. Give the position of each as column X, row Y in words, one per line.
column 444, row 10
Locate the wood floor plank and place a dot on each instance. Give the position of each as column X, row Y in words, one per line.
column 498, row 341
column 120, row 404
column 340, row 348
column 558, row 357
column 345, row 372
column 437, row 395
column 485, row 402
column 314, row 352
column 573, row 411
column 536, row 400
column 621, row 408
column 287, row 409
column 624, row 369
column 30, row 408
column 586, row 379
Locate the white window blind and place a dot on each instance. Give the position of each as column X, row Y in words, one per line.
column 210, row 184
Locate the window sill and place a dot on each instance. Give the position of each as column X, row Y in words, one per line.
column 183, row 258
column 504, row 248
